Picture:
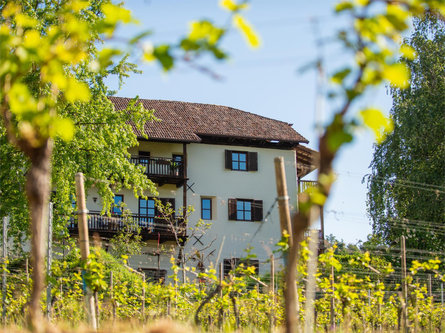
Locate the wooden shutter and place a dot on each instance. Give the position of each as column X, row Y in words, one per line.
column 228, row 154
column 232, row 209
column 252, row 164
column 257, row 210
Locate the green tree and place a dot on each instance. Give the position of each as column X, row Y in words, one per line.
column 407, row 185
column 51, row 83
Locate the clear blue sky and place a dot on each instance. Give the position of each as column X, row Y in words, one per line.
column 265, row 81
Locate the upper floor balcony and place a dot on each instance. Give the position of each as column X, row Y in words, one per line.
column 151, row 228
column 303, row 185
column 162, row 170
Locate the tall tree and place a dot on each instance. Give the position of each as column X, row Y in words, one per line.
column 407, row 185
column 51, row 82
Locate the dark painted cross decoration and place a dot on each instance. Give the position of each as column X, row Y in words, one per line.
column 189, row 187
column 198, row 239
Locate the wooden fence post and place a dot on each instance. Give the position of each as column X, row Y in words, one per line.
column 4, row 263
column 49, row 259
column 283, row 199
column 311, row 281
column 441, row 293
column 332, row 300
column 84, row 242
column 143, row 297
column 290, row 285
column 27, row 270
column 272, row 291
column 113, row 303
column 404, row 285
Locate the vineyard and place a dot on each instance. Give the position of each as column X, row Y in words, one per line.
column 354, row 292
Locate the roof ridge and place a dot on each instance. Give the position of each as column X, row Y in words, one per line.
column 204, row 104
column 211, row 119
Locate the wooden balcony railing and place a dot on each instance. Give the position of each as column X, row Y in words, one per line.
column 160, row 166
column 303, row 185
column 150, row 227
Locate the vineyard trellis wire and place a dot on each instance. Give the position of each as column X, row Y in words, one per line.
column 362, row 298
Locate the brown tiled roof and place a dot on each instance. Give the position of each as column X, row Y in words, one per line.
column 186, row 122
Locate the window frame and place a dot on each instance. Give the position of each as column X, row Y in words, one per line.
column 117, row 210
column 238, row 161
column 256, row 210
column 251, row 160
column 244, row 211
column 210, row 210
column 154, row 275
column 149, row 219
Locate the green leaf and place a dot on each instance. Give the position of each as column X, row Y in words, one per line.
column 377, row 122
column 246, row 29
column 397, row 74
column 162, row 53
column 339, row 76
column 344, row 5
column 140, row 36
column 63, row 128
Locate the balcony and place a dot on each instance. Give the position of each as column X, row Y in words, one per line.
column 151, row 228
column 161, row 170
column 303, row 185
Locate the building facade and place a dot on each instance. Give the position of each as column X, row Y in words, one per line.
column 218, row 160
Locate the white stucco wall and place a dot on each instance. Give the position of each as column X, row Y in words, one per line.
column 209, row 178
column 206, row 169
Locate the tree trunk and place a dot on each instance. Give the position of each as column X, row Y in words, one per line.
column 37, row 192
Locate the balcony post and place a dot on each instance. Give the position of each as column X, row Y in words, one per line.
column 184, row 174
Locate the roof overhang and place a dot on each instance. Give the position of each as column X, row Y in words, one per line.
column 307, row 160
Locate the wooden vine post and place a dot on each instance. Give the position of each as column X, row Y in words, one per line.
column 404, row 285
column 332, row 300
column 4, row 263
column 272, row 291
column 84, row 243
column 49, row 259
column 290, row 286
column 283, row 198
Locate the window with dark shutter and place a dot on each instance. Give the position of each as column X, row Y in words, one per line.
column 257, row 210
column 241, row 160
column 252, row 164
column 228, row 163
column 154, row 275
column 232, row 209
column 245, row 210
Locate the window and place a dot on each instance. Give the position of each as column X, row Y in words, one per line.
column 245, row 210
column 144, row 158
column 154, row 275
column 177, row 165
column 118, row 200
column 147, row 212
column 232, row 263
column 241, row 160
column 206, row 208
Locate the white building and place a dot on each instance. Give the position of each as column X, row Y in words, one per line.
column 219, row 160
